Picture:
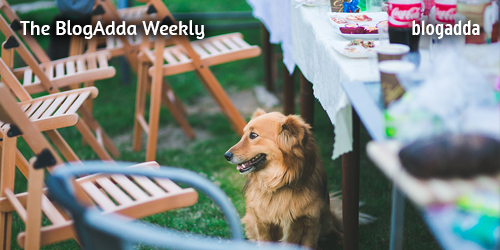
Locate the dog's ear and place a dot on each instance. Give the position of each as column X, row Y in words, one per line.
column 258, row 112
column 293, row 131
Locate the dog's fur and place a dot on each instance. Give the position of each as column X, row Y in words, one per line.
column 286, row 190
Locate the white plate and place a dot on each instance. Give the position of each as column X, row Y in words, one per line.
column 340, row 46
column 312, row 3
column 309, row 3
column 375, row 16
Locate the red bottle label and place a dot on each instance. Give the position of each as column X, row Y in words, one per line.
column 402, row 15
column 445, row 13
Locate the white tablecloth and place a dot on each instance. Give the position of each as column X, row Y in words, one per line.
column 325, row 68
column 275, row 15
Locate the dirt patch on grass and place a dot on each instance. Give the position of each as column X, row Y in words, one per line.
column 171, row 136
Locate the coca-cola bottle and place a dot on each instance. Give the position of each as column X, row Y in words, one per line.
column 402, row 13
column 444, row 11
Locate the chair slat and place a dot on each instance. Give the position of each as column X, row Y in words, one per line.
column 241, row 42
column 168, row 185
column 97, row 196
column 103, row 61
column 70, row 68
column 33, row 107
column 181, row 56
column 115, row 192
column 51, row 211
column 130, row 187
column 169, row 57
column 49, row 71
column 220, row 46
column 28, row 77
column 46, row 103
column 230, row 44
column 119, row 42
column 210, row 48
column 110, row 42
column 24, row 107
column 200, row 51
column 59, row 70
column 36, row 80
column 78, row 102
column 53, row 107
column 148, row 185
column 66, row 104
column 80, row 65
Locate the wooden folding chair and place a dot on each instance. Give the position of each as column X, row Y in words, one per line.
column 182, row 57
column 52, row 111
column 51, row 75
column 129, row 46
column 135, row 197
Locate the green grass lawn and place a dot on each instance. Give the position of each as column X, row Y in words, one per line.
column 114, row 108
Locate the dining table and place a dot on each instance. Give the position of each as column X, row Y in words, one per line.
column 323, row 69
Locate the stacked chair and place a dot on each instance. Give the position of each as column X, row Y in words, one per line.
column 131, row 196
column 129, row 47
column 170, row 56
column 182, row 57
column 42, row 75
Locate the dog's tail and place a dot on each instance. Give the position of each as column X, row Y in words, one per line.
column 336, row 209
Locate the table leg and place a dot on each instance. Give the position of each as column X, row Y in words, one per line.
column 350, row 189
column 267, row 54
column 306, row 100
column 397, row 219
column 288, row 92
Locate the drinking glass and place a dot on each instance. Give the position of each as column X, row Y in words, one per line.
column 374, row 5
column 383, row 33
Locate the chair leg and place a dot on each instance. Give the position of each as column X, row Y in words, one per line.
column 140, row 104
column 22, row 164
column 34, row 209
column 90, row 102
column 219, row 95
column 170, row 94
column 96, row 127
column 154, row 118
column 62, row 146
column 94, row 144
column 169, row 99
column 6, row 230
column 7, row 178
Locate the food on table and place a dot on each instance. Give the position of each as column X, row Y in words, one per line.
column 353, row 28
column 448, row 156
column 365, row 44
column 338, row 20
column 359, row 18
column 353, row 49
column 385, row 22
column 370, row 30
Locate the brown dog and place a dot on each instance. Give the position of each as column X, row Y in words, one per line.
column 286, row 189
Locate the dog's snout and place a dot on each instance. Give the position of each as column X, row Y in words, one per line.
column 228, row 155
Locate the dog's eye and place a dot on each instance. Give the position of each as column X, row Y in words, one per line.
column 253, row 135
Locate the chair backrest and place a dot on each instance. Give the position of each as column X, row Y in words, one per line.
column 14, row 42
column 21, row 125
column 106, row 11
column 10, row 79
column 99, row 232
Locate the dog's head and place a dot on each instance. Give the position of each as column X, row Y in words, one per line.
column 273, row 146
